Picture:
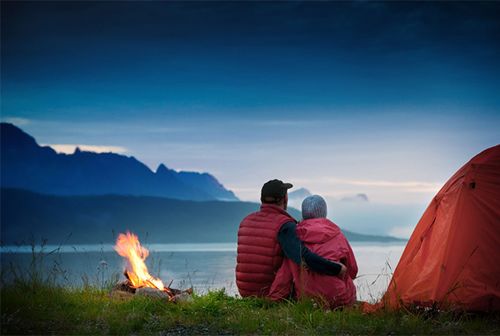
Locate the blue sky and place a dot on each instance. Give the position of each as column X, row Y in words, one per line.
column 388, row 99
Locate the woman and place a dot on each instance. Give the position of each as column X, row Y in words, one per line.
column 322, row 237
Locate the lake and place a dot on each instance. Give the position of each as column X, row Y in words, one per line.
column 201, row 266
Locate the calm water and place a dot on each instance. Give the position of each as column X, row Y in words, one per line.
column 201, row 266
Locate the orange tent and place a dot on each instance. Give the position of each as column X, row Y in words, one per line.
column 452, row 259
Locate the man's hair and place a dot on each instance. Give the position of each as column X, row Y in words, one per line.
column 271, row 200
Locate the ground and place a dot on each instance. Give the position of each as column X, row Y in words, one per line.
column 49, row 309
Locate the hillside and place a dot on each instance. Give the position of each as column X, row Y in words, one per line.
column 26, row 165
column 96, row 219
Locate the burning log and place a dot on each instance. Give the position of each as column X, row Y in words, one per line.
column 124, row 286
column 138, row 280
column 125, row 289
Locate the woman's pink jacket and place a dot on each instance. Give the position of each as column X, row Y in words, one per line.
column 322, row 237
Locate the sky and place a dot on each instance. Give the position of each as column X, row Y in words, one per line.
column 383, row 98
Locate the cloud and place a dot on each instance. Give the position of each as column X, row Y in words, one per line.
column 380, row 191
column 245, row 193
column 412, row 186
column 16, row 121
column 70, row 148
column 355, row 198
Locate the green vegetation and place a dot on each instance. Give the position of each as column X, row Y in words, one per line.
column 50, row 309
column 34, row 302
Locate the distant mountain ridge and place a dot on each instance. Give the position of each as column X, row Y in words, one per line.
column 299, row 194
column 296, row 197
column 26, row 165
column 27, row 215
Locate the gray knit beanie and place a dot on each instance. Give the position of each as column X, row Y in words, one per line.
column 313, row 207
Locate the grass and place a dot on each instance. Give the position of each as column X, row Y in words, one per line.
column 34, row 302
column 50, row 309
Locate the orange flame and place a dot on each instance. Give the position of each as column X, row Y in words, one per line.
column 128, row 246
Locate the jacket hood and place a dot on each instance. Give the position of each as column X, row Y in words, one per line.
column 317, row 230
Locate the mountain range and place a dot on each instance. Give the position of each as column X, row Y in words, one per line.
column 27, row 165
column 296, row 197
column 27, row 216
column 87, row 196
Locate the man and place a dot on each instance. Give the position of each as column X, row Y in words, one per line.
column 264, row 236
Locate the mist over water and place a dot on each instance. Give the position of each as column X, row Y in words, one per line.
column 201, row 266
column 377, row 218
column 365, row 216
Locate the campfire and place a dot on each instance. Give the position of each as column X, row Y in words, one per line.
column 138, row 280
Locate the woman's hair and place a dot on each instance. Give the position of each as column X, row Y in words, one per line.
column 314, row 207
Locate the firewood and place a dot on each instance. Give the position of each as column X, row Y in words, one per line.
column 125, row 286
column 152, row 292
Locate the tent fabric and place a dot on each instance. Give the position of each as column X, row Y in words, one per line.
column 452, row 258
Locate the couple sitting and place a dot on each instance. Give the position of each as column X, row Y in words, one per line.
column 278, row 258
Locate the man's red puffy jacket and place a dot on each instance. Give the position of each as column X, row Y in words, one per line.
column 323, row 237
column 259, row 253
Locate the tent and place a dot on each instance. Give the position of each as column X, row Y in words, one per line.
column 452, row 259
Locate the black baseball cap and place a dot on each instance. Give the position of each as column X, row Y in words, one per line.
column 274, row 190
